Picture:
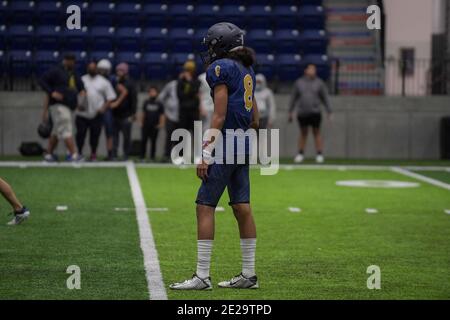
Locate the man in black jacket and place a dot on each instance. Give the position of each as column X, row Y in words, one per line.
column 188, row 89
column 124, row 109
column 63, row 87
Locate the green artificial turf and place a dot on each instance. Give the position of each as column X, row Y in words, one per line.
column 443, row 176
column 321, row 252
column 103, row 243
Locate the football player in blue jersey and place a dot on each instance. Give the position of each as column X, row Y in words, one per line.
column 232, row 80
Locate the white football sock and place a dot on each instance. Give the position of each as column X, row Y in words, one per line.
column 248, row 248
column 204, row 249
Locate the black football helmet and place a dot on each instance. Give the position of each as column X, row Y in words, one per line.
column 220, row 39
column 45, row 129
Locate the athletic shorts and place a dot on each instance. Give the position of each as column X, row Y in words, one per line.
column 310, row 120
column 235, row 177
column 62, row 121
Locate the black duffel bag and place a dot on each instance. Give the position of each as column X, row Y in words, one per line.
column 29, row 149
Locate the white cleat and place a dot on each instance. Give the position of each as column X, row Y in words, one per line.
column 240, row 282
column 320, row 158
column 299, row 158
column 195, row 283
column 19, row 217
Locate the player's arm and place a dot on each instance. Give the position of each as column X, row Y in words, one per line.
column 123, row 93
column 255, row 115
column 218, row 119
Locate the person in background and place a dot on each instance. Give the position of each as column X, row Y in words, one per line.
column 267, row 111
column 100, row 94
column 266, row 102
column 63, row 87
column 152, row 120
column 21, row 212
column 188, row 88
column 124, row 109
column 104, row 69
column 206, row 102
column 169, row 98
column 308, row 94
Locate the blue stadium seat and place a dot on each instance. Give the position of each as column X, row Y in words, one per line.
column 312, row 2
column 3, row 36
column 98, row 55
column 155, row 39
column 289, row 66
column 4, row 16
column 44, row 60
column 199, row 35
column 285, row 16
column 155, row 15
column 101, row 13
column 288, row 41
column 50, row 12
column 260, row 40
column 234, row 14
column 180, row 15
column 178, row 59
column 3, row 64
column 81, row 60
column 314, row 41
column 322, row 63
column 156, row 65
column 312, row 17
column 129, row 14
column 128, row 39
column 182, row 40
column 205, row 15
column 21, row 37
column 134, row 60
column 76, row 39
column 265, row 64
column 21, row 12
column 48, row 37
column 21, row 62
column 102, row 38
column 258, row 16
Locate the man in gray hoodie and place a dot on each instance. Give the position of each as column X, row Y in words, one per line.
column 309, row 93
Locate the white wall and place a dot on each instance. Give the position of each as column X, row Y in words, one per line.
column 409, row 24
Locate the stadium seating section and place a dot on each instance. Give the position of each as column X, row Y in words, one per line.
column 155, row 37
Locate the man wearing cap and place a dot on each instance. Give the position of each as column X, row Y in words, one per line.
column 64, row 88
column 124, row 109
column 188, row 88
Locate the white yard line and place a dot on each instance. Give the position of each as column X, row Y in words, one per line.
column 155, row 282
column 42, row 164
column 420, row 177
column 38, row 164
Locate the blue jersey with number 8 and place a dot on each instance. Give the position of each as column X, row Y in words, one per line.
column 240, row 82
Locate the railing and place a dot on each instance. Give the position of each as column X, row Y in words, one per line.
column 393, row 77
column 419, row 77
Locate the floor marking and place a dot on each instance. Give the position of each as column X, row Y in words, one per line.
column 294, row 209
column 158, row 209
column 220, row 209
column 155, row 282
column 121, row 164
column 426, row 168
column 147, row 209
column 371, row 210
column 377, row 184
column 62, row 208
column 420, row 177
